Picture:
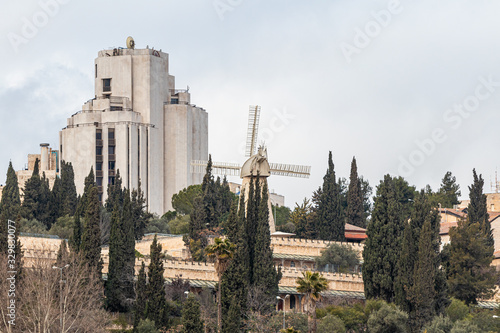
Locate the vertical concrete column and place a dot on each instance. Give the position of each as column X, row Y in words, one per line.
column 44, row 157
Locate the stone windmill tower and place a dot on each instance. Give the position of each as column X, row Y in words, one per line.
column 256, row 163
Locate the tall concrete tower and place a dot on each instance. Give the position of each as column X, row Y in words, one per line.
column 139, row 124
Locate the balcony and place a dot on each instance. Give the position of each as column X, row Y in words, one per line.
column 111, row 157
column 111, row 142
column 98, row 143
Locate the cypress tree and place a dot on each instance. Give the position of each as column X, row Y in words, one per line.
column 197, row 218
column 330, row 223
column 383, row 245
column 264, row 275
column 120, row 286
column 90, row 247
column 422, row 293
column 141, row 300
column 406, row 264
column 470, row 275
column 32, row 195
column 56, row 199
column 449, row 191
column 191, row 316
column 251, row 223
column 10, row 206
column 208, row 188
column 355, row 212
column 62, row 254
column 157, row 304
column 68, row 189
column 140, row 215
column 115, row 193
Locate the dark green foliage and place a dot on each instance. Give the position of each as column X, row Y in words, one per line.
column 339, row 258
column 281, row 215
column 67, row 194
column 406, row 265
column 355, row 213
column 470, row 275
column 62, row 255
column 115, row 193
column 303, row 218
column 183, row 201
column 10, row 206
column 232, row 320
column 146, row 326
column 156, row 308
column 477, row 211
column 197, row 223
column 36, row 198
column 330, row 221
column 209, row 197
column 389, row 319
column 465, row 326
column 457, row 310
column 140, row 215
column 120, row 285
column 141, row 300
column 90, row 246
column 484, row 319
column 383, row 246
column 331, row 324
column 449, row 192
column 422, row 293
column 251, row 223
column 191, row 316
column 264, row 273
column 366, row 191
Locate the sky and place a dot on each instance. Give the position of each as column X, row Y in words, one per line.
column 410, row 88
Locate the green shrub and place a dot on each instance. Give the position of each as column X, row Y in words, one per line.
column 389, row 319
column 331, row 324
column 457, row 310
column 146, row 326
column 465, row 326
column 439, row 324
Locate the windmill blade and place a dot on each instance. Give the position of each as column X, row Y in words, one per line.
column 290, row 170
column 218, row 168
column 252, row 131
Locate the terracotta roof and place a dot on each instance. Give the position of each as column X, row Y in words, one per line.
column 451, row 211
column 355, row 236
column 446, row 226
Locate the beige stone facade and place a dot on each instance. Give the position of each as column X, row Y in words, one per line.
column 139, row 124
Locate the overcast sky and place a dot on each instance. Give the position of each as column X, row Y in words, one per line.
column 410, row 88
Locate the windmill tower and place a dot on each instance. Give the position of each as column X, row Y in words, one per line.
column 256, row 163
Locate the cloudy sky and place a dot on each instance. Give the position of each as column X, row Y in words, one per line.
column 410, row 88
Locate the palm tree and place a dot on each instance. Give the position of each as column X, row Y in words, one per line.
column 311, row 284
column 223, row 251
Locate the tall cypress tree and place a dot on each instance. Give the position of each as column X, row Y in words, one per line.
column 234, row 284
column 120, row 286
column 383, row 245
column 157, row 304
column 68, row 189
column 32, row 195
column 470, row 275
column 115, row 193
column 330, row 223
column 208, row 188
column 90, row 247
column 140, row 215
column 422, row 293
column 355, row 211
column 81, row 208
column 10, row 206
column 449, row 191
column 191, row 316
column 264, row 275
column 141, row 289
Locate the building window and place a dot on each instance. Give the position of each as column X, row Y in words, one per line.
column 98, row 151
column 174, row 101
column 98, row 166
column 111, row 150
column 96, row 70
column 111, row 180
column 106, row 85
column 111, row 165
column 98, row 134
column 98, row 181
column 111, row 133
column 292, row 263
column 292, row 301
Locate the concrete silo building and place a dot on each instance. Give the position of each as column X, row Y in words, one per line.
column 139, row 124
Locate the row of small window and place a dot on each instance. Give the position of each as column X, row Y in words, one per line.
column 111, row 150
column 111, row 134
column 111, row 181
column 111, row 165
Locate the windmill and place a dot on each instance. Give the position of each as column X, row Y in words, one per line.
column 256, row 163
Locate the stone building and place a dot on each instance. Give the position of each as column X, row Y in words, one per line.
column 138, row 124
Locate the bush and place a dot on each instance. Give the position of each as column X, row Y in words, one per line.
column 457, row 310
column 465, row 326
column 439, row 324
column 32, row 227
column 336, row 257
column 146, row 326
column 157, row 226
column 331, row 324
column 179, row 225
column 63, row 227
column 485, row 321
column 389, row 319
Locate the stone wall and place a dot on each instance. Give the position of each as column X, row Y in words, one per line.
column 308, row 247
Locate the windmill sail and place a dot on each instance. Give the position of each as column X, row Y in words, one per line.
column 253, row 129
column 218, row 168
column 290, row 170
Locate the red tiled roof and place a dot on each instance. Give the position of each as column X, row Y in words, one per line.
column 446, row 226
column 355, row 236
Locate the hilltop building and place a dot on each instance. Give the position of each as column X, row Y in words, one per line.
column 138, row 124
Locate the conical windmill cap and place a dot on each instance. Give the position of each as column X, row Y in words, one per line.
column 256, row 164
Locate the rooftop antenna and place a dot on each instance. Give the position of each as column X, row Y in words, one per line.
column 495, row 186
